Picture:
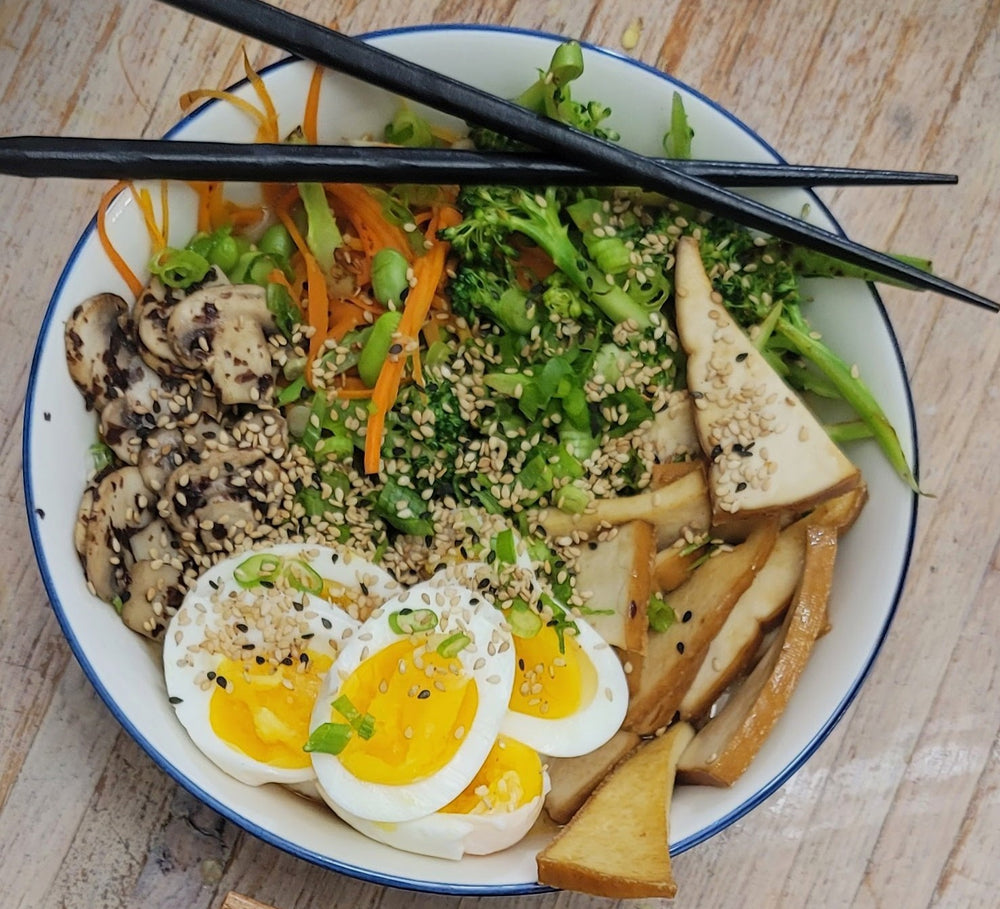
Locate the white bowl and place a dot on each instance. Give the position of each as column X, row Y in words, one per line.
column 125, row 669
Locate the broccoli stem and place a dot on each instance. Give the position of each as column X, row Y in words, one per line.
column 792, row 328
column 812, row 264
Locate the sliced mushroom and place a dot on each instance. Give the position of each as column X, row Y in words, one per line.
column 223, row 330
column 168, row 448
column 152, row 312
column 155, row 592
column 100, row 349
column 120, row 505
column 224, row 495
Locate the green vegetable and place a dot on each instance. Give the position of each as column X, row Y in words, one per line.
column 287, row 316
column 323, row 237
column 493, row 214
column 413, row 621
column 329, row 738
column 504, row 546
column 303, row 577
column 453, row 645
column 403, row 508
column 389, row 275
column 179, row 267
column 258, row 570
column 376, row 349
column 524, row 621
column 660, row 614
column 410, row 129
column 677, row 141
column 102, row 456
column 277, row 242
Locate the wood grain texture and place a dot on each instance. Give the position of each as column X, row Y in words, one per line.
column 901, row 805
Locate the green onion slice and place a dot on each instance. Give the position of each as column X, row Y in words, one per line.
column 329, row 738
column 413, row 621
column 263, row 567
column 453, row 645
column 524, row 621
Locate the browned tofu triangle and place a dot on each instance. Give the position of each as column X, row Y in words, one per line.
column 617, row 844
column 701, row 605
column 724, row 748
column 767, row 452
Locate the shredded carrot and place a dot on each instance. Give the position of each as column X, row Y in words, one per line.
column 318, row 305
column 145, row 202
column 189, row 99
column 427, row 272
column 128, row 276
column 165, row 211
column 310, row 116
column 370, row 225
column 269, row 128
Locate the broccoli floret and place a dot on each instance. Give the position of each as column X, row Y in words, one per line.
column 492, row 214
column 478, row 292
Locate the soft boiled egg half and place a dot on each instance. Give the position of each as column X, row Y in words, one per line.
column 413, row 705
column 245, row 655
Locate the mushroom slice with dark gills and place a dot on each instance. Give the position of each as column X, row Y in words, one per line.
column 115, row 508
column 151, row 314
column 224, row 330
column 223, row 498
column 100, row 349
column 168, row 447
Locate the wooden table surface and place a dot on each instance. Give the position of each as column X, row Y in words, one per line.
column 901, row 805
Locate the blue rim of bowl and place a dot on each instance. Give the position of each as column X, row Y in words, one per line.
column 363, row 873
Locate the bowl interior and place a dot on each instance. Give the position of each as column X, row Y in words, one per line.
column 125, row 669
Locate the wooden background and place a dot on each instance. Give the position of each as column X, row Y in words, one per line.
column 901, row 805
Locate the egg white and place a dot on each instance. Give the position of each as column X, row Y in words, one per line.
column 595, row 721
column 450, row 836
column 189, row 656
column 488, row 659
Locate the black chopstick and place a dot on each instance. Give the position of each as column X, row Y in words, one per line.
column 354, row 57
column 150, row 159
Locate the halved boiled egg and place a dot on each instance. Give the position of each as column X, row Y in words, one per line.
column 413, row 704
column 570, row 694
column 494, row 811
column 245, row 655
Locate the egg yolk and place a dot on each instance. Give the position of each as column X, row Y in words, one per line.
column 550, row 683
column 265, row 711
column 423, row 705
column 510, row 777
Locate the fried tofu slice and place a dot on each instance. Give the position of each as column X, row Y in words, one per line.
column 727, row 744
column 701, row 605
column 681, row 504
column 617, row 574
column 767, row 453
column 617, row 844
column 573, row 779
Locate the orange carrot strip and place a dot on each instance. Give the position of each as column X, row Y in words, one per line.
column 269, row 127
column 165, row 210
column 318, row 314
column 310, row 117
column 128, row 276
column 145, row 202
column 427, row 271
column 189, row 99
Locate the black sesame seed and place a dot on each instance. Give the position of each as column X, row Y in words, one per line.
column 741, row 486
column 287, row 661
column 249, row 646
column 424, row 694
column 41, row 513
column 220, row 680
column 364, row 588
column 297, row 606
column 176, row 700
column 633, row 608
column 335, row 557
column 211, row 675
column 309, row 635
column 327, row 624
column 687, row 616
column 46, row 416
column 680, row 647
column 520, row 664
column 268, row 584
column 716, row 453
column 484, row 583
column 740, row 357
column 303, row 657
column 241, row 626
column 260, row 660
column 213, row 584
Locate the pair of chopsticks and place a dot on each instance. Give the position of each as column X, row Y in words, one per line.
column 339, row 52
